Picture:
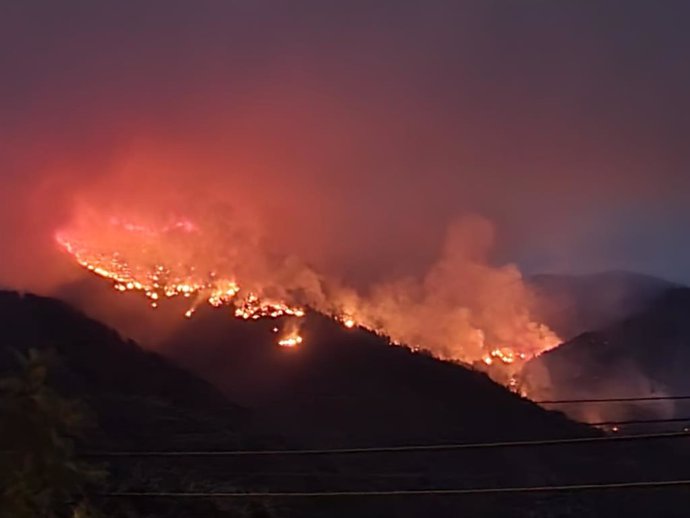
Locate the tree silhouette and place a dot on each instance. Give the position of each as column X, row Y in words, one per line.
column 39, row 474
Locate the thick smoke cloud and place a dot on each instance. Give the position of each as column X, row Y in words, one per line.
column 462, row 308
column 353, row 135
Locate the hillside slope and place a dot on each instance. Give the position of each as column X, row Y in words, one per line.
column 644, row 354
column 139, row 397
column 339, row 388
column 349, row 386
column 575, row 304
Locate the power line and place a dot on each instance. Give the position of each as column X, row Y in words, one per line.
column 611, row 400
column 392, row 449
column 642, row 421
column 411, row 492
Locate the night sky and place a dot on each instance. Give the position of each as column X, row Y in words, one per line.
column 356, row 131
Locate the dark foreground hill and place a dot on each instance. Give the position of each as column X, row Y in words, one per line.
column 340, row 388
column 645, row 354
column 345, row 387
column 139, row 397
column 575, row 304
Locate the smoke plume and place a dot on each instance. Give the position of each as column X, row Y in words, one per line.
column 462, row 308
column 329, row 149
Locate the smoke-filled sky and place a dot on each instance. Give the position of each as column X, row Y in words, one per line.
column 354, row 132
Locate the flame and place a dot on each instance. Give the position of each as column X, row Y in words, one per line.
column 347, row 321
column 159, row 280
column 291, row 334
column 252, row 307
column 181, row 259
column 506, row 355
column 291, row 340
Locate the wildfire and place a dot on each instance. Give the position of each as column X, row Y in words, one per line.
column 290, row 341
column 214, row 266
column 254, row 308
column 347, row 321
column 158, row 280
column 504, row 355
column 290, row 336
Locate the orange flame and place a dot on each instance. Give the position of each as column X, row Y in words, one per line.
column 161, row 280
column 291, row 340
column 167, row 261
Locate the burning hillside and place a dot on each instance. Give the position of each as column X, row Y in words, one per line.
column 463, row 309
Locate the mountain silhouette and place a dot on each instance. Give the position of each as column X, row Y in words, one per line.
column 575, row 304
column 645, row 354
column 340, row 388
column 138, row 395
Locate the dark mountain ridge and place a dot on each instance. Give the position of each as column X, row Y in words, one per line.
column 645, row 354
column 350, row 387
column 574, row 304
column 138, row 395
column 340, row 388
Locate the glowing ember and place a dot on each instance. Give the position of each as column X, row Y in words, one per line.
column 505, row 355
column 254, row 308
column 348, row 322
column 290, row 336
column 290, row 341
